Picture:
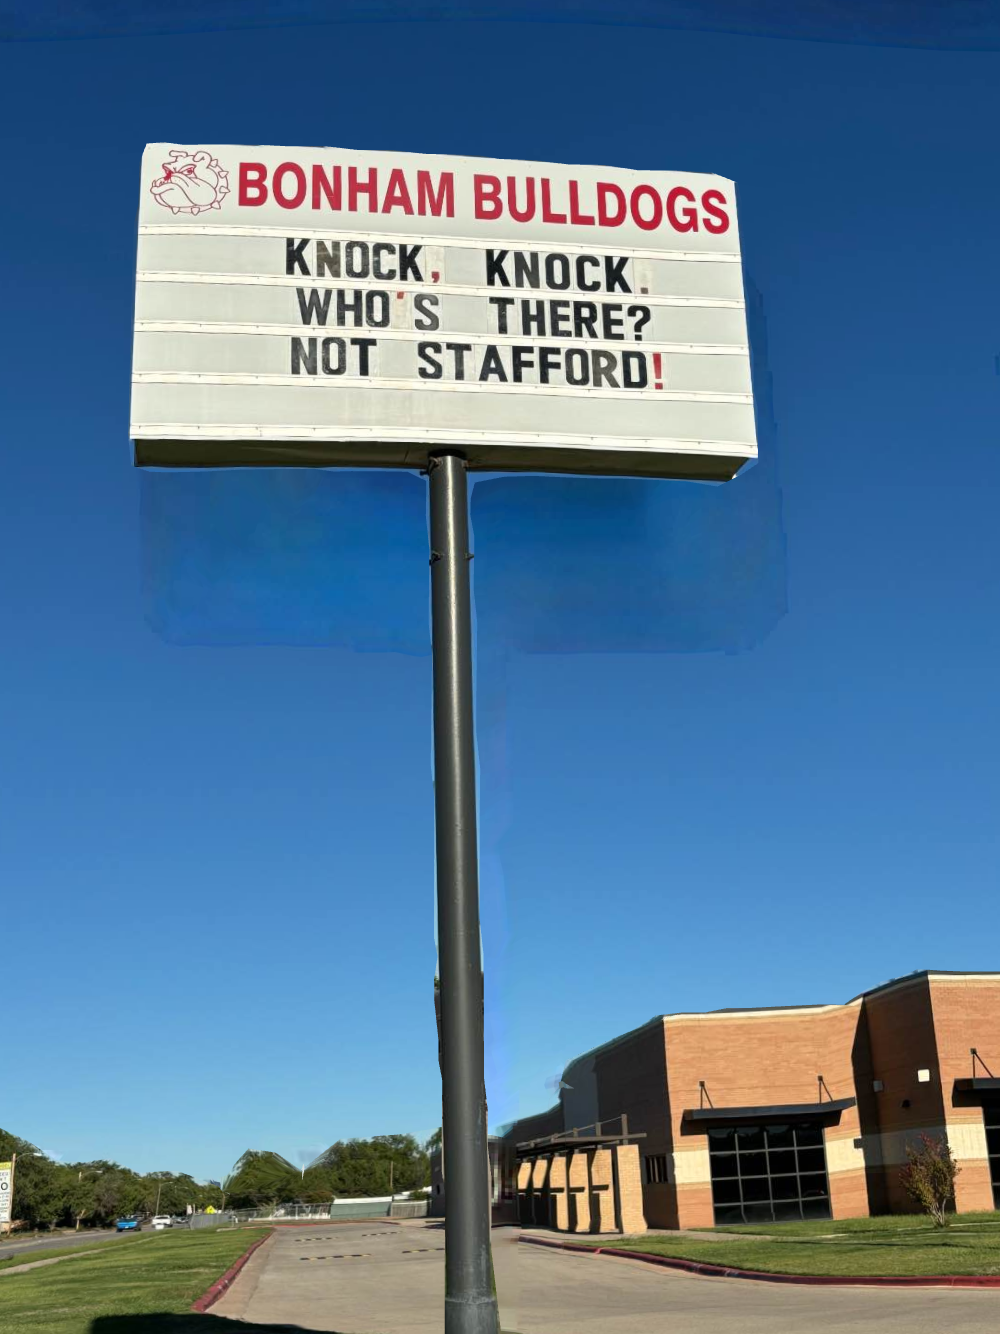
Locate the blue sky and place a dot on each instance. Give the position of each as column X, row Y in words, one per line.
column 216, row 773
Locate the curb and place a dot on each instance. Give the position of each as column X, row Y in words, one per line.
column 812, row 1280
column 212, row 1295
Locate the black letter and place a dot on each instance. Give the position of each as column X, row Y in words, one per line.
column 614, row 274
column 426, row 316
column 356, row 259
column 523, row 359
column 526, row 268
column 577, row 366
column 408, row 270
column 501, row 303
column 495, row 276
column 364, row 346
column 557, row 272
column 341, row 349
column 431, row 369
column 640, row 379
column 353, row 305
column 548, row 361
column 327, row 260
column 612, row 321
column 377, row 309
column 583, row 285
column 604, row 369
column 293, row 256
column 378, row 249
column 533, row 320
column 492, row 365
column 314, row 305
column 301, row 356
column 459, row 350
column 585, row 318
column 558, row 315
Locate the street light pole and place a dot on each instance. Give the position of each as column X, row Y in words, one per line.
column 470, row 1304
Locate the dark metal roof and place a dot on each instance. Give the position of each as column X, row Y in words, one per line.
column 977, row 1084
column 789, row 1111
column 584, row 1137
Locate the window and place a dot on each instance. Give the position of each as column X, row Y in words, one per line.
column 656, row 1168
column 775, row 1173
column 991, row 1118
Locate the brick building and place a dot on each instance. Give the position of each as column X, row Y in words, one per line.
column 750, row 1115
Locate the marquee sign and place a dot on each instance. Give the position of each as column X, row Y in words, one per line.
column 6, row 1191
column 324, row 306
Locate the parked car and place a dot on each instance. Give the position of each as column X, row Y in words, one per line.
column 133, row 1223
column 161, row 1221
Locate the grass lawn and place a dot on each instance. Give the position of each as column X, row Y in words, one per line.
column 886, row 1223
column 882, row 1247
column 140, row 1283
column 75, row 1242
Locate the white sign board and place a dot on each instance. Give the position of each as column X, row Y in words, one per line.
column 325, row 306
column 6, row 1183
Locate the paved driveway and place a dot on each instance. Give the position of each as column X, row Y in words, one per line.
column 62, row 1241
column 376, row 1278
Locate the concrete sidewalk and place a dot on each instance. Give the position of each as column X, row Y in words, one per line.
column 376, row 1279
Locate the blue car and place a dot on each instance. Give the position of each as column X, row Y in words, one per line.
column 130, row 1224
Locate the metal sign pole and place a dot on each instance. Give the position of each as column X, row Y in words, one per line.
column 470, row 1303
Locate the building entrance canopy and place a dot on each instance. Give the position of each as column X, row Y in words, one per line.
column 827, row 1112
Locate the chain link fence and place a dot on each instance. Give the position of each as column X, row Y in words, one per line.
column 377, row 1207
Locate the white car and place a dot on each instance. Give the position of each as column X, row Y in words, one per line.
column 161, row 1221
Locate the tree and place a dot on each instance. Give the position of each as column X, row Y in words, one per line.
column 81, row 1196
column 208, row 1194
column 174, row 1191
column 434, row 1142
column 36, row 1198
column 261, row 1177
column 929, row 1176
column 118, row 1192
column 360, row 1167
column 47, row 1193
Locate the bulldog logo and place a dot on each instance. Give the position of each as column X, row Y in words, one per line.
column 191, row 182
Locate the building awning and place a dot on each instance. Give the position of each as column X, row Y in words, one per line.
column 789, row 1111
column 973, row 1091
column 581, row 1137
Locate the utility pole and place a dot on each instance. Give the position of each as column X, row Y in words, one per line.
column 470, row 1304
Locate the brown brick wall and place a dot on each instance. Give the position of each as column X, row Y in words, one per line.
column 966, row 1014
column 632, row 1079
column 901, row 1032
column 602, row 1197
column 579, row 1194
column 929, row 1023
column 558, row 1203
column 767, row 1058
column 763, row 1059
column 630, row 1202
column 849, row 1194
column 694, row 1205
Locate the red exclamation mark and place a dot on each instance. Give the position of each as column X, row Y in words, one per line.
column 657, row 371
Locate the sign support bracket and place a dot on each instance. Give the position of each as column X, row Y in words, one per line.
column 470, row 1299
